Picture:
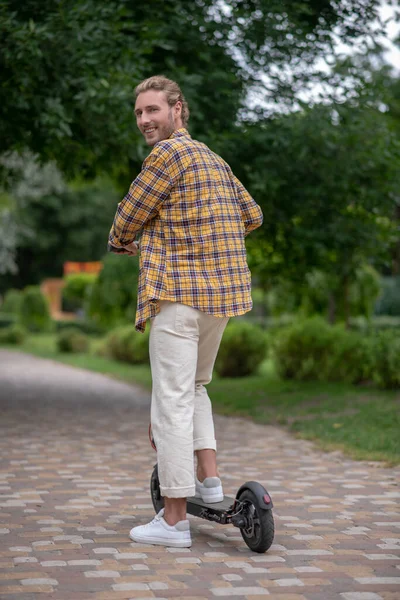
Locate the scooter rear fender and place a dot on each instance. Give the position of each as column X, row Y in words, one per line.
column 263, row 497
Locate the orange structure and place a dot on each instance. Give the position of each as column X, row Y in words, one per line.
column 82, row 267
column 52, row 289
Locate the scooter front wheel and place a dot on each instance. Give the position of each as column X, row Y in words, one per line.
column 258, row 533
column 156, row 498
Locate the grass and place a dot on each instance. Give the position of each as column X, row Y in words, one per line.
column 362, row 422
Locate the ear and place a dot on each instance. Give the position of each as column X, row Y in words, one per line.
column 178, row 109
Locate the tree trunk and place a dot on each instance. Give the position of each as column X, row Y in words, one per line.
column 346, row 304
column 396, row 249
column 332, row 308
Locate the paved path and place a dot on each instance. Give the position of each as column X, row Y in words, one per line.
column 74, row 478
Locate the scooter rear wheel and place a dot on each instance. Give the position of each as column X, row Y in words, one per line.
column 156, row 498
column 260, row 528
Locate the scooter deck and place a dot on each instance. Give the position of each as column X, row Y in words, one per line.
column 223, row 506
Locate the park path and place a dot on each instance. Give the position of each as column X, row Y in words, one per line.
column 74, row 478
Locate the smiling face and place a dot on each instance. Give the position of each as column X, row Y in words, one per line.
column 155, row 118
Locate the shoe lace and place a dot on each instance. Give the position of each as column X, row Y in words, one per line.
column 153, row 522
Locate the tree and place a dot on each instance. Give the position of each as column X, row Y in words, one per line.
column 53, row 222
column 327, row 179
column 69, row 70
column 69, row 67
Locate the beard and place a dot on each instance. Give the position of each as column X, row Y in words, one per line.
column 164, row 131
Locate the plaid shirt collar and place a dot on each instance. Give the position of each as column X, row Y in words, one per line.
column 179, row 133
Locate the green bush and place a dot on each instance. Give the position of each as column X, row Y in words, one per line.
column 112, row 298
column 7, row 319
column 73, row 341
column 352, row 359
column 128, row 345
column 12, row 302
column 302, row 348
column 15, row 334
column 314, row 350
column 34, row 313
column 386, row 349
column 84, row 326
column 242, row 350
column 76, row 290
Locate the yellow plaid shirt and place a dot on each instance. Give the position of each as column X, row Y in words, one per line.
column 193, row 215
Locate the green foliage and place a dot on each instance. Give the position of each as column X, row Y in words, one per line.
column 320, row 289
column 72, row 340
column 300, row 349
column 315, row 294
column 56, row 222
column 112, row 298
column 352, row 359
column 376, row 323
column 77, row 65
column 69, row 69
column 69, row 72
column 386, row 349
column 76, row 289
column 388, row 302
column 7, row 319
column 25, row 183
column 364, row 291
column 330, row 195
column 84, row 326
column 242, row 350
column 127, row 345
column 34, row 311
column 14, row 334
column 312, row 350
column 12, row 302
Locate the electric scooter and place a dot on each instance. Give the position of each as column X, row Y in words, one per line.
column 250, row 510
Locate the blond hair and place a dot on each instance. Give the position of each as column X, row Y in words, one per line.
column 172, row 92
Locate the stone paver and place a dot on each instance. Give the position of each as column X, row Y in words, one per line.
column 74, row 478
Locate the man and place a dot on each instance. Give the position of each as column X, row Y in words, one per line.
column 193, row 215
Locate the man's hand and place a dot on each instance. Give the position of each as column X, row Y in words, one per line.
column 131, row 249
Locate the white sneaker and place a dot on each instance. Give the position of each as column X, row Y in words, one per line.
column 210, row 491
column 160, row 533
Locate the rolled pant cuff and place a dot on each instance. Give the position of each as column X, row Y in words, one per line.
column 181, row 492
column 204, row 444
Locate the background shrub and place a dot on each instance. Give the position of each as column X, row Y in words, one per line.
column 15, row 334
column 302, row 350
column 128, row 345
column 242, row 350
column 386, row 350
column 34, row 313
column 351, row 360
column 76, row 290
column 12, row 302
column 82, row 325
column 314, row 350
column 112, row 297
column 72, row 340
column 7, row 319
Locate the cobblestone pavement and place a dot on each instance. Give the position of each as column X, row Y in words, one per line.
column 74, row 478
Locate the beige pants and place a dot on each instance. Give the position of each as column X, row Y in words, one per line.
column 183, row 346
